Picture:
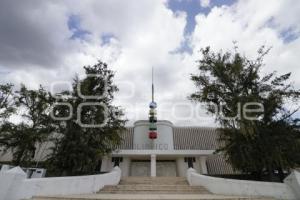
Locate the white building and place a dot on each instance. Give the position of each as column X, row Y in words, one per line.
column 158, row 148
column 173, row 151
column 170, row 154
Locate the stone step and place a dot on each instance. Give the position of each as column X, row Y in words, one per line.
column 148, row 197
column 152, row 187
column 154, row 181
column 154, row 178
column 152, row 192
column 159, row 189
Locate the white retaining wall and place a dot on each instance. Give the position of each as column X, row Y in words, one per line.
column 244, row 188
column 293, row 180
column 15, row 186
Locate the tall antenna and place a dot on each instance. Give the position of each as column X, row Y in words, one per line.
column 152, row 86
column 152, row 115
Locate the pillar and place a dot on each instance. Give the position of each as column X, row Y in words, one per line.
column 106, row 165
column 153, row 165
column 203, row 165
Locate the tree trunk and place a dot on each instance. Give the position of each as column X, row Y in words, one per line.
column 281, row 174
column 271, row 174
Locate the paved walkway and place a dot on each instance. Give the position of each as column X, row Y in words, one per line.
column 149, row 197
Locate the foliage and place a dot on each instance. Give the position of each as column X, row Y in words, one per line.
column 35, row 127
column 258, row 141
column 79, row 148
column 6, row 101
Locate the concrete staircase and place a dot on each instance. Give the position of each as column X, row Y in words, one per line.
column 158, row 185
column 148, row 188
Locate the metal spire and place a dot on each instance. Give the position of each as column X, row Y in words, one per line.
column 152, row 115
column 152, row 86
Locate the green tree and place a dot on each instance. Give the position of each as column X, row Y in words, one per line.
column 264, row 140
column 81, row 142
column 6, row 101
column 7, row 107
column 35, row 127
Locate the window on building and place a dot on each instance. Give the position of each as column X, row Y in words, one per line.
column 116, row 160
column 190, row 161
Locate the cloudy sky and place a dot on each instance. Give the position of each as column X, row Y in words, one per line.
column 47, row 42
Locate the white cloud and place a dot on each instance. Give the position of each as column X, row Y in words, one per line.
column 146, row 33
column 252, row 24
column 205, row 3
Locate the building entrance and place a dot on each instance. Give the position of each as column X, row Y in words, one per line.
column 143, row 168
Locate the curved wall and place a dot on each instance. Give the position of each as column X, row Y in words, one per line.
column 164, row 139
column 234, row 187
column 15, row 186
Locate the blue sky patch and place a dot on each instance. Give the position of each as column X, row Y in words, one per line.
column 193, row 8
column 74, row 26
column 106, row 37
column 289, row 35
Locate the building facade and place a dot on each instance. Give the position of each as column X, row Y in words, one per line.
column 174, row 150
column 171, row 153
